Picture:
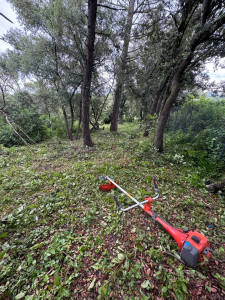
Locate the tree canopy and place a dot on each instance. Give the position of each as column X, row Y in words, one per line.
column 145, row 52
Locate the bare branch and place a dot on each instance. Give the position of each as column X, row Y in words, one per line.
column 6, row 18
column 16, row 132
column 112, row 8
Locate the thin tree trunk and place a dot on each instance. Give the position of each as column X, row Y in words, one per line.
column 121, row 111
column 80, row 120
column 159, row 94
column 66, row 122
column 157, row 99
column 121, row 75
column 92, row 11
column 72, row 120
column 14, row 129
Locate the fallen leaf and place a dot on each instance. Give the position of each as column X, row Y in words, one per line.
column 199, row 291
column 148, row 271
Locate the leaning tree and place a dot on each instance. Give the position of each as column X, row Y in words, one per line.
column 194, row 32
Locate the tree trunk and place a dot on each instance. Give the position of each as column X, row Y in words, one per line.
column 121, row 75
column 159, row 94
column 72, row 120
column 121, row 110
column 155, row 104
column 164, row 115
column 66, row 123
column 92, row 11
column 116, row 107
column 80, row 120
column 174, row 90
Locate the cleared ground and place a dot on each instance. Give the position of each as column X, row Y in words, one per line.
column 62, row 238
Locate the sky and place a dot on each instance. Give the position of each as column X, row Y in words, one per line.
column 5, row 25
column 215, row 74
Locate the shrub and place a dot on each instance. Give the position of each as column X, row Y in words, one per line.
column 200, row 133
column 30, row 122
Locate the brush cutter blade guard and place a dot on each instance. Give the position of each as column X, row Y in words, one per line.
column 107, row 187
column 192, row 244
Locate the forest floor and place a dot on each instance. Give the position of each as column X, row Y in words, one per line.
column 63, row 238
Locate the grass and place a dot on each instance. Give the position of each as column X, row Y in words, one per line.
column 62, row 238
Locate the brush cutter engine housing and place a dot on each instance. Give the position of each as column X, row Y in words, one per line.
column 193, row 249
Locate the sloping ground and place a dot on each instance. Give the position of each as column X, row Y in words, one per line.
column 62, row 238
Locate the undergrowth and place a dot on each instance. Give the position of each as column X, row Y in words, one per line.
column 62, row 238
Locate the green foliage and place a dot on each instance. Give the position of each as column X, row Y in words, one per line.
column 200, row 134
column 30, row 122
column 64, row 239
column 199, row 114
column 175, row 282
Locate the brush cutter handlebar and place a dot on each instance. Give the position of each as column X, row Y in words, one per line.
column 155, row 183
column 119, row 206
column 117, row 203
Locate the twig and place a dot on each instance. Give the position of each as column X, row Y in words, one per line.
column 24, row 132
column 69, row 256
column 6, row 18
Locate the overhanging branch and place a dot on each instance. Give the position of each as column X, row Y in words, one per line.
column 109, row 7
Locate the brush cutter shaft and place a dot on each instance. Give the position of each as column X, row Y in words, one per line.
column 122, row 190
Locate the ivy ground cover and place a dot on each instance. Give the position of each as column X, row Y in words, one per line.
column 62, row 238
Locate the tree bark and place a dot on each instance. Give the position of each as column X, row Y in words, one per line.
column 121, row 75
column 158, row 96
column 80, row 121
column 164, row 114
column 92, row 11
column 72, row 120
column 66, row 122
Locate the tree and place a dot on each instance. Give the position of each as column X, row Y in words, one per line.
column 92, row 10
column 122, row 67
column 194, row 32
column 54, row 35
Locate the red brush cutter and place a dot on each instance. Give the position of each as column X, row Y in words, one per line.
column 192, row 244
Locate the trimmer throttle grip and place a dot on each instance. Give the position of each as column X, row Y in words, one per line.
column 117, row 203
column 155, row 183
